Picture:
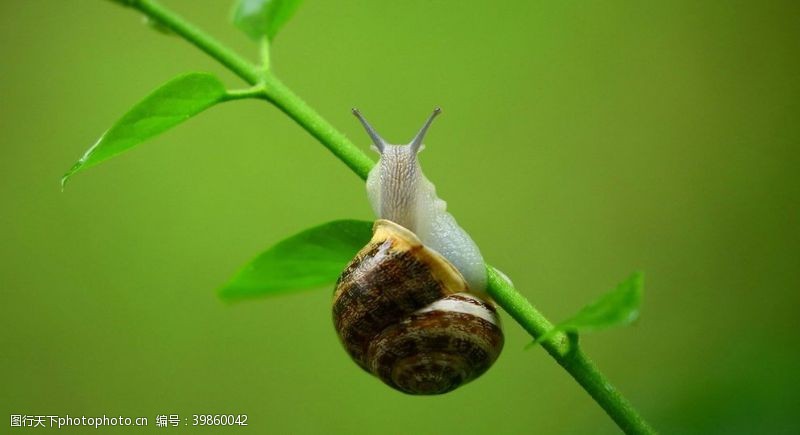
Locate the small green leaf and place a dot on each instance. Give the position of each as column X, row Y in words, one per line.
column 312, row 258
column 616, row 308
column 259, row 18
column 172, row 103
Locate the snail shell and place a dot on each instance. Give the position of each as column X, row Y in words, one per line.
column 406, row 314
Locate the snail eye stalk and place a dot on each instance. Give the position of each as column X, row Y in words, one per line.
column 416, row 143
column 377, row 140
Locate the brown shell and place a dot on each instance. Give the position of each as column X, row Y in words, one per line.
column 405, row 314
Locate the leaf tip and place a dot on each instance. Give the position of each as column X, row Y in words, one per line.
column 224, row 296
column 67, row 175
column 226, row 292
column 636, row 281
column 638, row 278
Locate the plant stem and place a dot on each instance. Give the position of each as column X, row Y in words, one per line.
column 263, row 52
column 322, row 130
column 198, row 38
column 241, row 94
column 565, row 350
column 276, row 92
column 562, row 347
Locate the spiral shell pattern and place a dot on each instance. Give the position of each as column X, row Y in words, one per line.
column 405, row 314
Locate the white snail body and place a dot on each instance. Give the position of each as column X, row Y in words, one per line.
column 399, row 191
column 411, row 307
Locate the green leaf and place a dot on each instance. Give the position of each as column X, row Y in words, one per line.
column 616, row 308
column 312, row 258
column 172, row 103
column 259, row 18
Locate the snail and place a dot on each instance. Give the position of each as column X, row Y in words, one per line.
column 411, row 307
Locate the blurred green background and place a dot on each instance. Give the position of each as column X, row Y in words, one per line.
column 580, row 141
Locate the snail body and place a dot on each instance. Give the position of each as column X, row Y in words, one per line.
column 410, row 308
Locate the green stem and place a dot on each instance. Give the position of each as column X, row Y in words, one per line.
column 264, row 53
column 198, row 38
column 276, row 91
column 565, row 350
column 257, row 91
column 322, row 130
column 562, row 347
